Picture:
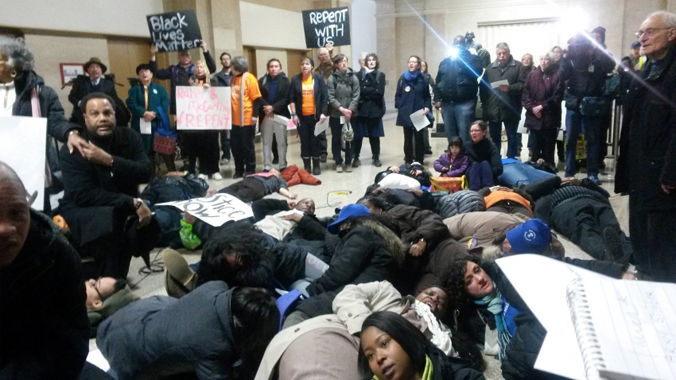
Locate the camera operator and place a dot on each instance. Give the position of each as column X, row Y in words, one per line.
column 456, row 89
column 584, row 69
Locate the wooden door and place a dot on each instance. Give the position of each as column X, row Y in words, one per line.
column 293, row 58
column 250, row 55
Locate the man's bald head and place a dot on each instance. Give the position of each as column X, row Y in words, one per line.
column 14, row 215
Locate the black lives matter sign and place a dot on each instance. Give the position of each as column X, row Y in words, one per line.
column 326, row 26
column 175, row 31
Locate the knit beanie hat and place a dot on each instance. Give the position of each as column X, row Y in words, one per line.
column 532, row 236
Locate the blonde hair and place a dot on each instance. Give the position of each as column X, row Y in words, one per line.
column 204, row 65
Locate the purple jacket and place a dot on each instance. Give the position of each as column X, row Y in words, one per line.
column 458, row 168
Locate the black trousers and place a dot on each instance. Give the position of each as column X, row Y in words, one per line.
column 247, row 190
column 337, row 142
column 653, row 237
column 582, row 220
column 309, row 143
column 202, row 145
column 243, row 150
column 544, row 145
column 409, row 133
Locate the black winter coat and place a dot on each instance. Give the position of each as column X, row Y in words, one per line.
column 96, row 195
column 416, row 98
column 485, row 150
column 161, row 336
column 648, row 142
column 415, row 224
column 584, row 76
column 524, row 346
column 281, row 102
column 82, row 86
column 321, row 95
column 457, row 78
column 50, row 108
column 44, row 328
column 371, row 94
column 499, row 105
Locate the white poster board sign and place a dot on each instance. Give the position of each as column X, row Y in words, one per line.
column 215, row 210
column 199, row 108
column 22, row 147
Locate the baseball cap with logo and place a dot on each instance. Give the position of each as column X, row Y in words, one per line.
column 532, row 236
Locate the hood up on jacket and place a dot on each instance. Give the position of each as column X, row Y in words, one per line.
column 392, row 242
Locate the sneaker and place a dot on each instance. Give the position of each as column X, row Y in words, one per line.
column 356, row 163
column 347, row 168
column 594, row 179
column 339, row 168
column 225, row 161
column 217, row 176
column 323, row 158
column 203, row 176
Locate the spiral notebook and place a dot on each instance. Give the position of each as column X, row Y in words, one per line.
column 597, row 326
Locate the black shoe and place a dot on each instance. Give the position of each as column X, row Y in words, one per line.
column 316, row 170
column 322, row 158
column 376, row 162
column 356, row 163
column 238, row 175
column 275, row 160
column 306, row 164
column 612, row 238
column 428, row 152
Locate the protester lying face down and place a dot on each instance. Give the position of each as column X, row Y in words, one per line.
column 392, row 348
column 221, row 332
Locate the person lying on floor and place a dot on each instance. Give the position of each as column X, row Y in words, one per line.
column 105, row 296
column 475, row 284
column 255, row 186
column 392, row 348
column 580, row 211
column 244, row 256
column 510, row 201
column 399, row 189
column 215, row 332
column 516, row 173
column 367, row 251
column 427, row 311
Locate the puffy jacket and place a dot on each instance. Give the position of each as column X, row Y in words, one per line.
column 456, row 169
column 499, row 105
column 457, row 78
column 415, row 224
column 543, row 89
column 460, row 202
column 160, row 335
column 371, row 93
column 343, row 89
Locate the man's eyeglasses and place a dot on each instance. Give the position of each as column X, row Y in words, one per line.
column 96, row 288
column 648, row 32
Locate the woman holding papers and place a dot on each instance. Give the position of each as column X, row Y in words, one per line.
column 481, row 285
column 371, row 109
column 274, row 87
column 309, row 104
column 412, row 95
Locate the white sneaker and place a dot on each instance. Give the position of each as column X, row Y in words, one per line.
column 203, row 176
column 217, row 176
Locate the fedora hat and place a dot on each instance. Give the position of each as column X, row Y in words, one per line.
column 179, row 279
column 98, row 62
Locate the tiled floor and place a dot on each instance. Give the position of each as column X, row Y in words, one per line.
column 340, row 189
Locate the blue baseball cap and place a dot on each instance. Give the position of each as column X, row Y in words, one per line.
column 346, row 212
column 532, row 236
column 635, row 44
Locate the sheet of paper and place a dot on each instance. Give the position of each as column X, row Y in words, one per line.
column 419, row 120
column 146, row 127
column 559, row 137
column 499, row 83
column 342, row 120
column 96, row 357
column 22, row 147
column 321, row 126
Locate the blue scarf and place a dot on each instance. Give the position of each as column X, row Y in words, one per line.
column 495, row 306
column 411, row 76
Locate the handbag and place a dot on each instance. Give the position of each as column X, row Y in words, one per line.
column 164, row 139
column 594, row 106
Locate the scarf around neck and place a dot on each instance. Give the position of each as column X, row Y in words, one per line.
column 494, row 303
column 411, row 75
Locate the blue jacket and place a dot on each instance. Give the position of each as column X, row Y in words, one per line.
column 416, row 98
column 157, row 97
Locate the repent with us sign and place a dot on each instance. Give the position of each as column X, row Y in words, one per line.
column 175, row 31
column 326, row 26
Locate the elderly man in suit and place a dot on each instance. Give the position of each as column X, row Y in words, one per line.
column 94, row 81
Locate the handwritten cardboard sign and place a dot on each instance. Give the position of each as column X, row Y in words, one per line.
column 175, row 31
column 198, row 108
column 326, row 26
column 22, row 147
column 215, row 210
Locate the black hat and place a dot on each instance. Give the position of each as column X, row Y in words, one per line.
column 143, row 66
column 601, row 31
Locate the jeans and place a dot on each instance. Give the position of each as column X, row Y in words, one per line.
column 337, row 142
column 590, row 125
column 516, row 174
column 270, row 129
column 457, row 118
column 495, row 129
